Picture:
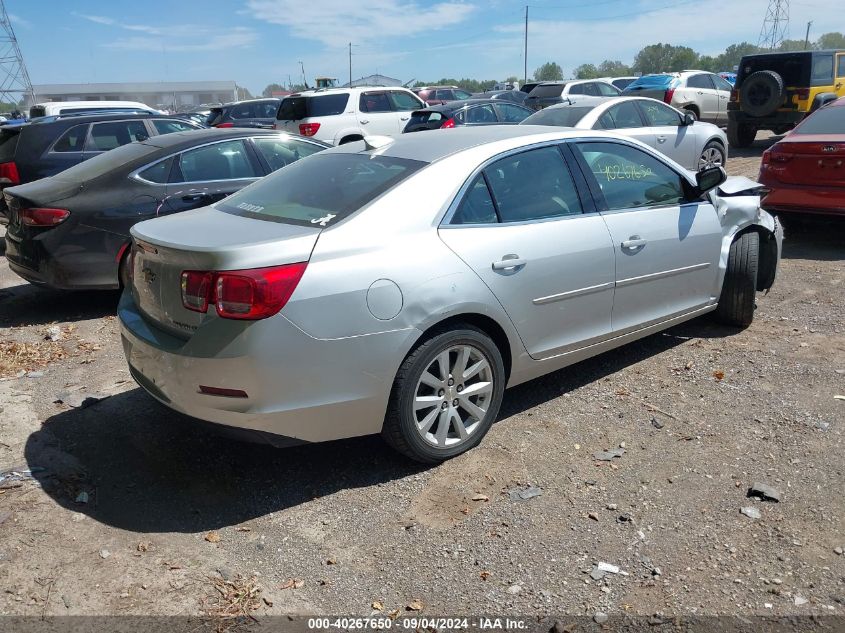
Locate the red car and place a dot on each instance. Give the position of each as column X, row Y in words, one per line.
column 805, row 170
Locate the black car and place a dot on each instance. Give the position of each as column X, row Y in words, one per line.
column 515, row 96
column 260, row 113
column 71, row 230
column 467, row 112
column 48, row 145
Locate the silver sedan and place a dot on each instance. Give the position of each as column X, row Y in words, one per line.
column 693, row 144
column 397, row 286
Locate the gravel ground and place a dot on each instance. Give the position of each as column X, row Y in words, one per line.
column 140, row 511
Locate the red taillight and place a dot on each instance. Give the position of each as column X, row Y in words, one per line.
column 448, row 124
column 241, row 294
column 308, row 129
column 9, row 174
column 225, row 125
column 776, row 155
column 667, row 98
column 765, row 159
column 196, row 290
column 735, row 95
column 36, row 216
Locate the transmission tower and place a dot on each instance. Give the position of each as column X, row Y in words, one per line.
column 775, row 25
column 14, row 80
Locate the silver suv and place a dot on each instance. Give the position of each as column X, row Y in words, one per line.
column 705, row 95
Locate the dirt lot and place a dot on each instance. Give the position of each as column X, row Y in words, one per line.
column 132, row 510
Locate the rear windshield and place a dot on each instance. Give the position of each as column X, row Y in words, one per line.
column 296, row 108
column 651, row 82
column 551, row 90
column 566, row 116
column 37, row 111
column 105, row 162
column 319, row 190
column 829, row 120
column 8, row 145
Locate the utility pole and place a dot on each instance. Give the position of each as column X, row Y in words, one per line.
column 525, row 54
column 302, row 67
column 350, row 64
column 14, row 79
column 807, row 37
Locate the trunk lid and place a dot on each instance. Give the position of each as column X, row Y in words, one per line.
column 812, row 159
column 205, row 240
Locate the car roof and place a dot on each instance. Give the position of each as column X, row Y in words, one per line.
column 176, row 139
column 231, row 103
column 457, row 105
column 587, row 100
column 438, row 144
column 334, row 91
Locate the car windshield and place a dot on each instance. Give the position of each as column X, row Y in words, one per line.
column 651, row 82
column 567, row 116
column 830, row 120
column 320, row 190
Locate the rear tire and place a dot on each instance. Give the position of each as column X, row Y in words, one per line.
column 741, row 136
column 123, row 278
column 422, row 420
column 737, row 300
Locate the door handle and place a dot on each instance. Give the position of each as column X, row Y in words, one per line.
column 195, row 197
column 635, row 242
column 509, row 263
column 365, row 121
column 404, row 118
column 661, row 139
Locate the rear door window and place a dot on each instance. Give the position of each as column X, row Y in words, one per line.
column 266, row 110
column 279, row 152
column 481, row 114
column 822, row 73
column 444, row 95
column 578, row 89
column 227, row 160
column 73, row 140
column 700, row 81
column 533, row 185
column 403, row 102
column 375, row 102
column 320, row 190
column 327, row 105
column 242, row 111
column 721, row 84
column 106, row 136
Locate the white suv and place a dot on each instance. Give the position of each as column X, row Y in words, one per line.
column 342, row 115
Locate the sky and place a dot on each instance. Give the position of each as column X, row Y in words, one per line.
column 258, row 42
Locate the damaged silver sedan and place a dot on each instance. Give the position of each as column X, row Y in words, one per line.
column 398, row 286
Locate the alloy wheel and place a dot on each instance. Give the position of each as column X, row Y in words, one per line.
column 452, row 396
column 710, row 157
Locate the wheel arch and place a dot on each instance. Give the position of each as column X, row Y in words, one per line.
column 823, row 98
column 487, row 324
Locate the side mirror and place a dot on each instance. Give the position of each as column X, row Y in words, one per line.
column 689, row 118
column 710, row 178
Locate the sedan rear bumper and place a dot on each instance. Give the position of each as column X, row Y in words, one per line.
column 303, row 388
column 815, row 199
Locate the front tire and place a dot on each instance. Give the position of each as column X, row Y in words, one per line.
column 446, row 395
column 713, row 155
column 737, row 300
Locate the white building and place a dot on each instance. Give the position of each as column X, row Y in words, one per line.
column 170, row 95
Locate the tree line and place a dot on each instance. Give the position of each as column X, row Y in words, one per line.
column 654, row 58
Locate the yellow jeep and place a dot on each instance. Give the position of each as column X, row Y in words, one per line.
column 774, row 91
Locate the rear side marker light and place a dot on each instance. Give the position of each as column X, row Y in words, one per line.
column 241, row 294
column 450, row 123
column 43, row 217
column 225, row 125
column 309, row 129
column 735, row 95
column 221, row 391
column 667, row 98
